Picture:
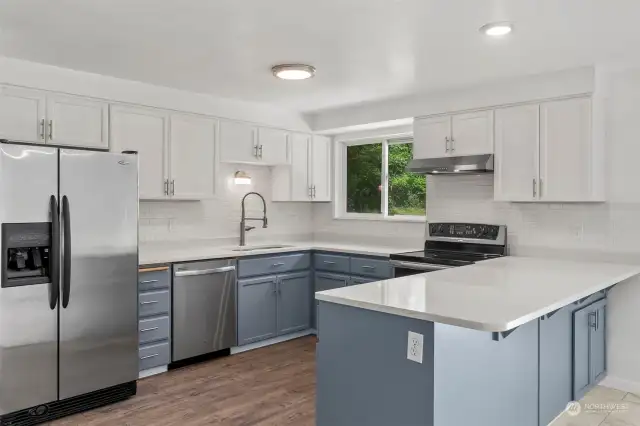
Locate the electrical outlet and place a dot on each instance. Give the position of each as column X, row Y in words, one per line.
column 414, row 347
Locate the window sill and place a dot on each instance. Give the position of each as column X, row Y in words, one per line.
column 380, row 218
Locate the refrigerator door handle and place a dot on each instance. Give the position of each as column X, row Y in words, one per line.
column 66, row 275
column 54, row 286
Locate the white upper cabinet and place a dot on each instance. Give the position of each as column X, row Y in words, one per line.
column 321, row 168
column 22, row 115
column 144, row 130
column 516, row 156
column 457, row 135
column 565, row 150
column 308, row 178
column 245, row 143
column 547, row 152
column 238, row 142
column 471, row 133
column 40, row 117
column 77, row 121
column 431, row 137
column 273, row 146
column 192, row 157
column 300, row 181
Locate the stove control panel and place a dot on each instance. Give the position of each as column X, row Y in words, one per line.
column 464, row 230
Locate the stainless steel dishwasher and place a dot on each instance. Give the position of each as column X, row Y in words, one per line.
column 204, row 308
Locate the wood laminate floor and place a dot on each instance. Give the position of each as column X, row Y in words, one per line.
column 271, row 386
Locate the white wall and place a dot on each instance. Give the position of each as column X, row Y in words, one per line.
column 524, row 89
column 46, row 77
column 604, row 231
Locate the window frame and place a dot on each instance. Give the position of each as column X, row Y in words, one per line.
column 340, row 208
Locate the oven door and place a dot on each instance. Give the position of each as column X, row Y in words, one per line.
column 403, row 269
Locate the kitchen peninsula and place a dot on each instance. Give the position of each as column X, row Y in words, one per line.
column 503, row 342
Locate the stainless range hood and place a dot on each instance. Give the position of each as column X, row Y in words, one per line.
column 470, row 164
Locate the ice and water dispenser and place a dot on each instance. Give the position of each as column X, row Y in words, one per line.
column 25, row 253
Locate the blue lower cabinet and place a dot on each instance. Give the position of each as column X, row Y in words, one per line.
column 589, row 347
column 361, row 280
column 556, row 350
column 257, row 298
column 293, row 309
column 154, row 316
column 325, row 281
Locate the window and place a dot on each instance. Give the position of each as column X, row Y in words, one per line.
column 376, row 184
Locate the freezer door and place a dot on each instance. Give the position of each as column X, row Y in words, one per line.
column 98, row 309
column 28, row 324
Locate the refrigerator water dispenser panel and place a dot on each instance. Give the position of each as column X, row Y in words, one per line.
column 25, row 253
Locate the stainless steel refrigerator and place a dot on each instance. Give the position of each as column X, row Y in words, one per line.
column 68, row 293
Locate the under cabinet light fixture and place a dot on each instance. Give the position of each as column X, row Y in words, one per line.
column 242, row 178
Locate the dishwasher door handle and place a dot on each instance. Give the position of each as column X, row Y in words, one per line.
column 196, row 272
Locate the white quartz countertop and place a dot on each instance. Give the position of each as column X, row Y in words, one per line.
column 492, row 295
column 186, row 251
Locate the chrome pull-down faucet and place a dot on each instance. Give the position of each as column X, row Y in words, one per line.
column 243, row 220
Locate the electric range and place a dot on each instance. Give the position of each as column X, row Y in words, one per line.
column 449, row 245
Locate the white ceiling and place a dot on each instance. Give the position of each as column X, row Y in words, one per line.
column 363, row 49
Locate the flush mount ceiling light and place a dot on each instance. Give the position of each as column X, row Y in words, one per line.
column 497, row 29
column 293, row 71
column 242, row 178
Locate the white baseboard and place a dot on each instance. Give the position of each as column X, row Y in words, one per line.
column 621, row 384
column 269, row 342
column 152, row 371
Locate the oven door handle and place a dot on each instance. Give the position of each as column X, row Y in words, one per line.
column 418, row 266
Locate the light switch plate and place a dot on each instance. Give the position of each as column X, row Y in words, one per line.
column 414, row 347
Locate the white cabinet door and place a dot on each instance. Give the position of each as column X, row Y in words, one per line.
column 273, row 146
column 192, row 156
column 565, row 150
column 77, row 121
column 516, row 156
column 22, row 115
column 431, row 137
column 472, row 133
column 238, row 142
column 321, row 168
column 145, row 131
column 300, row 167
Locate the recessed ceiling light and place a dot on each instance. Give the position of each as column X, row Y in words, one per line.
column 293, row 71
column 497, row 29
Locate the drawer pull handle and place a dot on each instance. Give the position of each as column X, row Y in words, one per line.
column 149, row 356
column 368, row 267
column 148, row 281
column 149, row 302
column 148, row 329
column 328, row 262
column 278, row 264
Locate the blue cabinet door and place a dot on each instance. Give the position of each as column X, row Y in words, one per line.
column 294, row 291
column 257, row 300
column 322, row 282
column 589, row 347
column 361, row 280
column 598, row 348
column 555, row 364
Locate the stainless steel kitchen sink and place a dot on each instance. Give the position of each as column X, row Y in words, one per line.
column 265, row 247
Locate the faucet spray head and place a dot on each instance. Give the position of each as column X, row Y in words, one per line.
column 264, row 222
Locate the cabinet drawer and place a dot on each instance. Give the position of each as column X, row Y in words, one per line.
column 153, row 303
column 273, row 264
column 153, row 329
column 331, row 263
column 378, row 268
column 150, row 356
column 154, row 280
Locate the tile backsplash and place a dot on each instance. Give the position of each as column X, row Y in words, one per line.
column 219, row 217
